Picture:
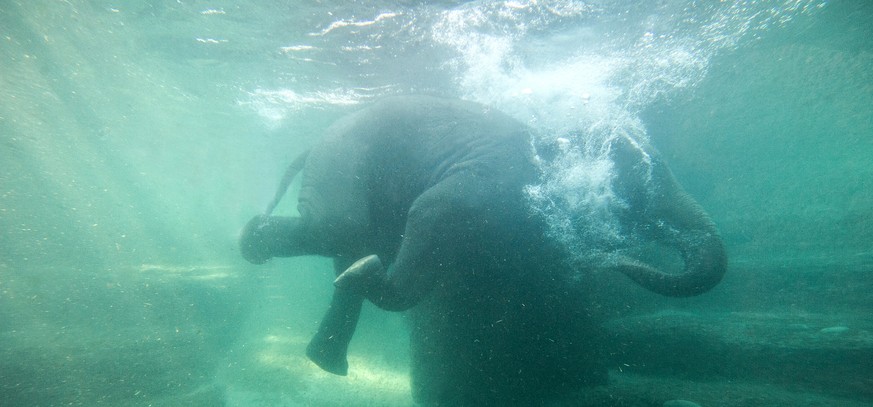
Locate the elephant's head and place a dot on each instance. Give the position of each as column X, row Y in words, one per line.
column 657, row 202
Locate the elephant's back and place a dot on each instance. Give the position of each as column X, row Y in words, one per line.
column 433, row 137
column 371, row 165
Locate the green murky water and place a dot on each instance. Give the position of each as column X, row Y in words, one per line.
column 137, row 137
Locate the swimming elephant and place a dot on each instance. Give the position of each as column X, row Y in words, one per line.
column 421, row 203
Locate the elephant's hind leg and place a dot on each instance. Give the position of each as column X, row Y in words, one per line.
column 329, row 347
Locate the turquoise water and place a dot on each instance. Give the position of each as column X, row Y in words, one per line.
column 137, row 137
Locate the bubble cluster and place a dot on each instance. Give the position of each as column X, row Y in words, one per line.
column 579, row 73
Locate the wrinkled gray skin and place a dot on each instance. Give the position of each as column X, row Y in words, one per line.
column 420, row 203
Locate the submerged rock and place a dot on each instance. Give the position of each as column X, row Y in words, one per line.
column 766, row 347
column 680, row 403
column 834, row 330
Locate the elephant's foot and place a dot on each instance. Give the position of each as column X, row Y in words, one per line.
column 265, row 237
column 328, row 354
column 253, row 240
column 329, row 346
column 363, row 277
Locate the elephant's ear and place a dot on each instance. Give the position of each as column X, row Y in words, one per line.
column 658, row 206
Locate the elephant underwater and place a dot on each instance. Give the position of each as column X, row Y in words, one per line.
column 421, row 203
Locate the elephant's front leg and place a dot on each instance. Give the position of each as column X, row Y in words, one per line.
column 442, row 223
column 329, row 347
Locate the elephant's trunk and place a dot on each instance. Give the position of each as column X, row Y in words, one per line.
column 675, row 218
